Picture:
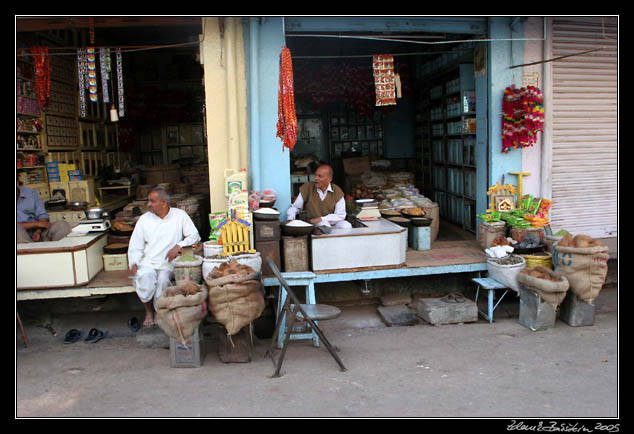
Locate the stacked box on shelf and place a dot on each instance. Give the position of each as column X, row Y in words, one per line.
column 52, row 170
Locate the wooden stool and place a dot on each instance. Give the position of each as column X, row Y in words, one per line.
column 491, row 285
column 296, row 278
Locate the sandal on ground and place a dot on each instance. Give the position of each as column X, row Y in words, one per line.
column 134, row 324
column 95, row 335
column 72, row 336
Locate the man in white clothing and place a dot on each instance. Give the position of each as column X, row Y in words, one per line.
column 158, row 238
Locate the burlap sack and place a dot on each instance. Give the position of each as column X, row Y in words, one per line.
column 235, row 305
column 179, row 316
column 585, row 269
column 552, row 292
column 231, row 278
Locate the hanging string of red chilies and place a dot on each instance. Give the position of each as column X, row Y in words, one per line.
column 286, row 117
column 42, row 75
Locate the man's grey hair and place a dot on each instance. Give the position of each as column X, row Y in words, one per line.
column 162, row 194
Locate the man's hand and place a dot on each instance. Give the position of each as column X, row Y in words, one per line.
column 132, row 271
column 174, row 252
column 315, row 220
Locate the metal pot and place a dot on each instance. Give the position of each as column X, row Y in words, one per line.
column 96, row 213
column 78, row 206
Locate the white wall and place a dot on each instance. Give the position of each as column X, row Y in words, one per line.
column 533, row 52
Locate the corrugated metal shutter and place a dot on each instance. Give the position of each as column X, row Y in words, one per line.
column 585, row 126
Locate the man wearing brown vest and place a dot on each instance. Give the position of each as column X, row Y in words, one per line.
column 323, row 201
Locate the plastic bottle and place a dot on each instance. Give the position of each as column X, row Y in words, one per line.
column 235, row 180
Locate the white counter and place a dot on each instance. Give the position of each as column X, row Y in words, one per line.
column 373, row 227
column 381, row 243
column 71, row 261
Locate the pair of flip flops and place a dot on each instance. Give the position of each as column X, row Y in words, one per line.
column 94, row 335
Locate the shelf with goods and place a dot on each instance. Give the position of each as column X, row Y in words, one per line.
column 423, row 170
column 453, row 133
column 349, row 131
column 30, row 137
column 171, row 143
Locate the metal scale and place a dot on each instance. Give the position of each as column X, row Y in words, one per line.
column 93, row 225
column 367, row 209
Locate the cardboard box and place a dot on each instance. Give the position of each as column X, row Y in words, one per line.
column 115, row 262
column 82, row 191
column 356, row 166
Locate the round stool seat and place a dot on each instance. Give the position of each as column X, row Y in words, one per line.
column 318, row 312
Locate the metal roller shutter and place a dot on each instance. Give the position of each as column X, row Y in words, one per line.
column 585, row 126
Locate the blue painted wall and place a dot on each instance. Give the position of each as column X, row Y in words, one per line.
column 501, row 55
column 270, row 167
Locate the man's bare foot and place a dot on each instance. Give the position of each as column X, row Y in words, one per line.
column 149, row 321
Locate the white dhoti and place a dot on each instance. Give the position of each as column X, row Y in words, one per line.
column 151, row 283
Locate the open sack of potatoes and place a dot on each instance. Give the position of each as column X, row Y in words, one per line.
column 550, row 286
column 584, row 262
column 180, row 309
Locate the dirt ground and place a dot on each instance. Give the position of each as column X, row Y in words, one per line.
column 471, row 370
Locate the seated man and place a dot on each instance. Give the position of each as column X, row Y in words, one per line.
column 158, row 238
column 323, row 201
column 32, row 221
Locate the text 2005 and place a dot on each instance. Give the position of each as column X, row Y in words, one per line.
column 608, row 428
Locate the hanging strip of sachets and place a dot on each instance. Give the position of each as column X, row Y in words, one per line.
column 104, row 63
column 120, row 82
column 42, row 65
column 383, row 66
column 81, row 76
column 91, row 61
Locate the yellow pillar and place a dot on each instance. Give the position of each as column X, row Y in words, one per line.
column 223, row 59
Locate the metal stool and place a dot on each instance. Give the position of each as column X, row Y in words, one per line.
column 491, row 285
column 297, row 278
column 308, row 312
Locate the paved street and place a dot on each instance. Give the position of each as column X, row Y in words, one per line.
column 462, row 370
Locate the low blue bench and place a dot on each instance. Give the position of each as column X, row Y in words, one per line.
column 490, row 285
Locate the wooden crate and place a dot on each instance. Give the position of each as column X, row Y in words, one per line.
column 272, row 250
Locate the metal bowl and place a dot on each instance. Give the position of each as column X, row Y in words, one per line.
column 265, row 216
column 421, row 221
column 296, row 231
column 95, row 213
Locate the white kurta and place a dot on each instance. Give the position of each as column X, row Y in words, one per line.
column 153, row 237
